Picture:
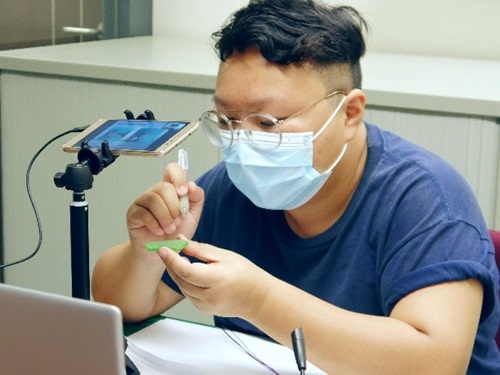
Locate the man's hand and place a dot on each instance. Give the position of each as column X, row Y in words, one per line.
column 156, row 215
column 225, row 284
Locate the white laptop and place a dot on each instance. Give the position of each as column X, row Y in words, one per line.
column 43, row 333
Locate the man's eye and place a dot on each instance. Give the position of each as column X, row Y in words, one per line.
column 267, row 123
column 262, row 121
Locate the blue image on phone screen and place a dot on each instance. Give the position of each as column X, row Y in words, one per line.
column 135, row 135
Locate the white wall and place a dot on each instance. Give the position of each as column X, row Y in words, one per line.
column 457, row 28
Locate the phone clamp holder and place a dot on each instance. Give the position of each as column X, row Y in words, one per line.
column 79, row 177
column 146, row 115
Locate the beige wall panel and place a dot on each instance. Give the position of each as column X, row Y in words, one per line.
column 37, row 108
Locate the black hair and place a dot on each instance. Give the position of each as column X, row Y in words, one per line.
column 295, row 32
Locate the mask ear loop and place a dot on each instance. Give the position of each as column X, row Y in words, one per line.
column 337, row 160
column 330, row 119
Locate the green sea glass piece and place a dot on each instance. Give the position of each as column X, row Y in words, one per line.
column 176, row 245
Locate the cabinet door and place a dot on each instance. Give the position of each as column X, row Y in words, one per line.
column 32, row 23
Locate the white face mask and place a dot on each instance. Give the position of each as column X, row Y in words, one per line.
column 281, row 179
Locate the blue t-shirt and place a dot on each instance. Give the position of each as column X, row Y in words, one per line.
column 412, row 222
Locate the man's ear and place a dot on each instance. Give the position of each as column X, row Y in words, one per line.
column 355, row 109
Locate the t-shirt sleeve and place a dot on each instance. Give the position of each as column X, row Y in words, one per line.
column 431, row 229
column 448, row 251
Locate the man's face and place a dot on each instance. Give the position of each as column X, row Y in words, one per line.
column 247, row 82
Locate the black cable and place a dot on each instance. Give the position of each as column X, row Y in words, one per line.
column 28, row 190
column 235, row 339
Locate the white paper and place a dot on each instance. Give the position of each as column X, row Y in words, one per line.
column 175, row 347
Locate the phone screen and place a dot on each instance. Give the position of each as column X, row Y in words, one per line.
column 134, row 135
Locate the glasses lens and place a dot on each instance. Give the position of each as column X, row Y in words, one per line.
column 217, row 128
column 262, row 130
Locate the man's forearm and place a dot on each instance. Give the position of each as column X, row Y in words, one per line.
column 124, row 278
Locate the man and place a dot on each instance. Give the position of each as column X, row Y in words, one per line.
column 375, row 247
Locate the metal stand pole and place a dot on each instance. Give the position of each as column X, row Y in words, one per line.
column 80, row 274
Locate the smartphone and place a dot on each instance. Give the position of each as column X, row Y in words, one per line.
column 134, row 137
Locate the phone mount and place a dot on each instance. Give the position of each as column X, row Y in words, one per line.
column 79, row 177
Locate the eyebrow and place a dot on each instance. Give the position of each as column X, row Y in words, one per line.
column 260, row 103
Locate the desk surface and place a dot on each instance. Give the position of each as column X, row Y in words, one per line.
column 391, row 80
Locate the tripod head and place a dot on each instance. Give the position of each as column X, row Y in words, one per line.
column 79, row 177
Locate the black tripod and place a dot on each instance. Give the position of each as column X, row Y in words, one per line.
column 79, row 177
